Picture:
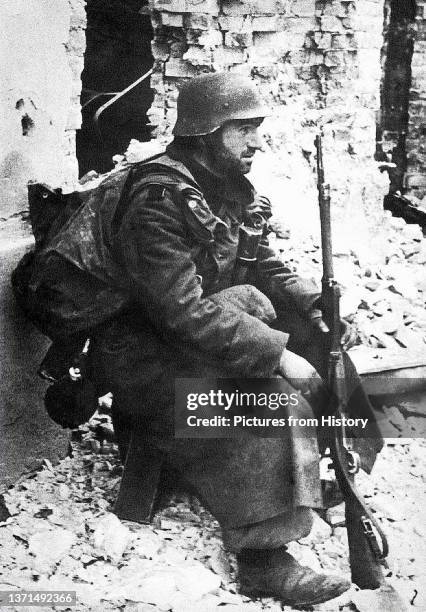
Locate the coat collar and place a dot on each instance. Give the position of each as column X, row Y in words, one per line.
column 225, row 195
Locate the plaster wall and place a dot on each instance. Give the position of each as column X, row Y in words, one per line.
column 42, row 46
column 415, row 178
column 41, row 50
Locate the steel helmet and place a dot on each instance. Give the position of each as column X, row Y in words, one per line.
column 206, row 102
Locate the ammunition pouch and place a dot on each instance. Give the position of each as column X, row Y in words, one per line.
column 72, row 397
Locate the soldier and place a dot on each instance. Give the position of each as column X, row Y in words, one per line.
column 175, row 238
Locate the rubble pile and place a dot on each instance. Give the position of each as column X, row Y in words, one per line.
column 384, row 298
column 62, row 535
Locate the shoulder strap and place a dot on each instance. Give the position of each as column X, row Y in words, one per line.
column 166, row 173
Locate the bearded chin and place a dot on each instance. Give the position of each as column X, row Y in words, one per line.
column 228, row 165
column 220, row 158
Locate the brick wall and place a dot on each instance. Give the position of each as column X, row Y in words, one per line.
column 317, row 62
column 415, row 178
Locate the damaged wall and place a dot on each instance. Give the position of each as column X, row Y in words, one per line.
column 317, row 62
column 415, row 179
column 398, row 38
column 118, row 52
column 42, row 46
column 43, row 42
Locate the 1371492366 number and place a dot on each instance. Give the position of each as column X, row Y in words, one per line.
column 37, row 598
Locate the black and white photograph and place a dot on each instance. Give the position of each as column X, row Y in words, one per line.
column 213, row 291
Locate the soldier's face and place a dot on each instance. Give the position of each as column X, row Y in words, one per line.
column 236, row 142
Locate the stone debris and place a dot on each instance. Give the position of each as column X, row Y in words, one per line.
column 385, row 299
column 185, row 569
column 49, row 546
column 111, row 537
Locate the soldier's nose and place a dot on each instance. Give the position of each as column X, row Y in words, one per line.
column 256, row 142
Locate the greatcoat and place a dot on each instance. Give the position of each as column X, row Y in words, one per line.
column 173, row 259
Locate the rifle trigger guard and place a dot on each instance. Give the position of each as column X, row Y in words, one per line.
column 354, row 462
column 367, row 526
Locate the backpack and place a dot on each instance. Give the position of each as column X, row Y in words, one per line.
column 70, row 285
column 44, row 283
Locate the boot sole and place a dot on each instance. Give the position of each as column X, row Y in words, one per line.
column 312, row 602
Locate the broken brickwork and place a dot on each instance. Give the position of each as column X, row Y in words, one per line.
column 415, row 178
column 40, row 95
column 317, row 63
column 118, row 52
column 398, row 41
column 42, row 47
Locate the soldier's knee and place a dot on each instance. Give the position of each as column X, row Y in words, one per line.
column 248, row 299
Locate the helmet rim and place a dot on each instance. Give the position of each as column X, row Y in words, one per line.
column 207, row 102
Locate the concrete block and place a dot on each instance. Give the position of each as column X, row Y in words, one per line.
column 322, row 40
column 27, row 434
column 226, row 56
column 211, row 39
column 172, row 20
column 337, row 8
column 198, row 56
column 418, row 58
column 347, row 41
column 302, row 8
column 418, row 83
column 238, row 39
column 156, row 115
column 277, row 43
column 235, row 23
column 178, row 48
column 334, row 58
column 266, row 23
column 199, row 21
column 415, row 181
column 331, row 24
column 348, row 24
column 186, row 6
column 179, row 68
column 160, row 50
column 298, row 24
column 235, row 7
column 250, row 7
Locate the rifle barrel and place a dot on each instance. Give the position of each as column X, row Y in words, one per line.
column 324, row 203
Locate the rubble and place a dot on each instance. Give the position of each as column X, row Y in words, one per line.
column 184, row 569
column 385, row 299
column 111, row 537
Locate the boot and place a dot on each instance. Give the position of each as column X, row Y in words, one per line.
column 275, row 573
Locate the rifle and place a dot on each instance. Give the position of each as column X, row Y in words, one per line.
column 368, row 546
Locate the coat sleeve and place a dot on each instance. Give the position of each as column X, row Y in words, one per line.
column 155, row 249
column 284, row 288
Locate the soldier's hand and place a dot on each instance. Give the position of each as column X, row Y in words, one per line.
column 349, row 335
column 300, row 373
column 262, row 206
column 348, row 332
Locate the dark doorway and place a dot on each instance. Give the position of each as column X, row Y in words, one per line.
column 397, row 54
column 118, row 52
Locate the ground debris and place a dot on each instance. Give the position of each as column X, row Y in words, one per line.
column 114, row 564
